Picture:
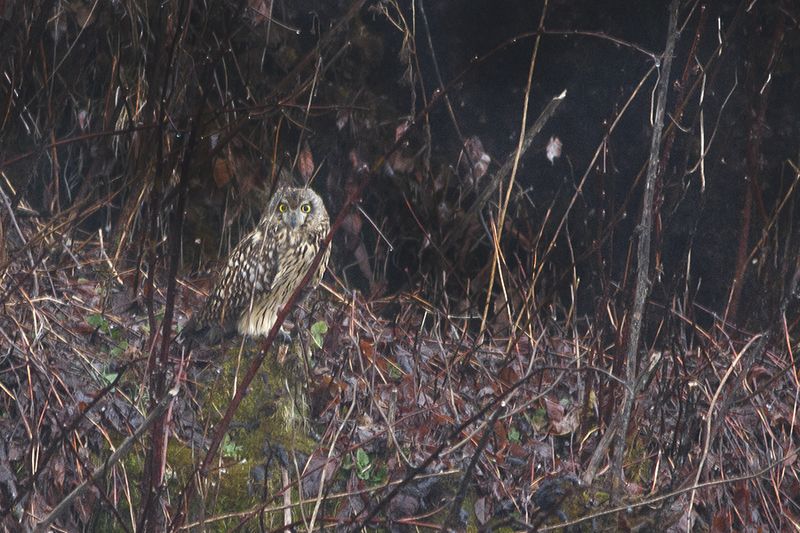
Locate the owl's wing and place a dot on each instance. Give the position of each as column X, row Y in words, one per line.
column 249, row 271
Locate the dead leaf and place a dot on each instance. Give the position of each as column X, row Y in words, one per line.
column 554, row 149
column 259, row 10
column 342, row 118
column 305, row 163
column 402, row 506
column 222, row 172
column 482, row 510
column 721, row 522
column 313, row 473
column 501, row 434
column 400, row 130
column 561, row 423
column 473, row 160
column 555, row 411
column 567, row 424
column 741, row 499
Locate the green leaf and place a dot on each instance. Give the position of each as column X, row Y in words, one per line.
column 395, row 372
column 230, row 448
column 380, row 475
column 362, row 458
column 513, row 435
column 362, row 464
column 318, row 331
column 347, row 462
column 97, row 321
column 119, row 349
column 116, row 333
column 538, row 419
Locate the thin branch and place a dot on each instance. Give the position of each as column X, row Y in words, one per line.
column 101, row 471
column 645, row 229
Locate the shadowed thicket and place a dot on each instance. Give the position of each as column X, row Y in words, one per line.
column 564, row 274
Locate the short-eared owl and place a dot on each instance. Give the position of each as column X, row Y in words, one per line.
column 266, row 267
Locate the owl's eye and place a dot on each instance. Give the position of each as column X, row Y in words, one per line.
column 282, row 207
column 305, row 208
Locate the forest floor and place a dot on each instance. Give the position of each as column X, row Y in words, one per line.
column 389, row 413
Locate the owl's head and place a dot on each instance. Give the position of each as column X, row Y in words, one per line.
column 298, row 208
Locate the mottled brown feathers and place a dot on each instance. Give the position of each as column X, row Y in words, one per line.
column 266, row 267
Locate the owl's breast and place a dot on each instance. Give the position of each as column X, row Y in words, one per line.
column 293, row 259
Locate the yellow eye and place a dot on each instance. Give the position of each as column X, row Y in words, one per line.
column 305, row 208
column 282, row 207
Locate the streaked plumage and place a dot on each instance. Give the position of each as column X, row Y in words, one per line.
column 266, row 267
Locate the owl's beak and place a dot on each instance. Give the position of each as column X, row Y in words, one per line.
column 294, row 220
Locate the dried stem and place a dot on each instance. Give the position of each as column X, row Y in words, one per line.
column 101, row 471
column 644, row 231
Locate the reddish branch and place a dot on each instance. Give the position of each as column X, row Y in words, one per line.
column 151, row 517
column 101, row 471
column 758, row 85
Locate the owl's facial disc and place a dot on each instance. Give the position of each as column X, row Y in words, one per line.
column 294, row 218
column 297, row 207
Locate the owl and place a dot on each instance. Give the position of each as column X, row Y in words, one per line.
column 265, row 268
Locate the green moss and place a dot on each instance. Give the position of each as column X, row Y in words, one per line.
column 638, row 465
column 274, row 409
column 272, row 413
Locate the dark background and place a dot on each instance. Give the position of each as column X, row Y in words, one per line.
column 115, row 62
